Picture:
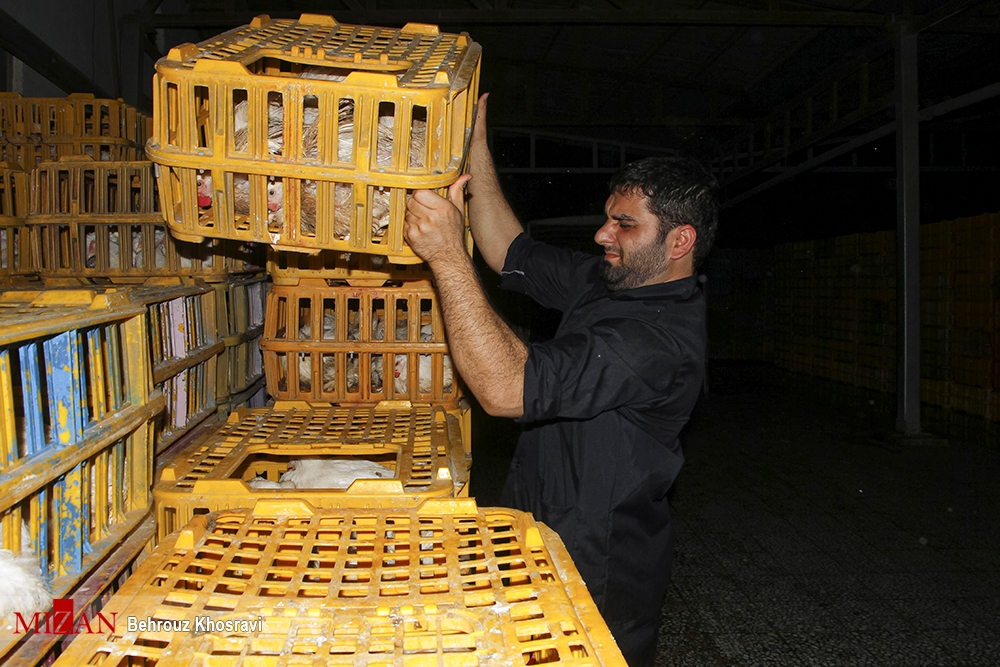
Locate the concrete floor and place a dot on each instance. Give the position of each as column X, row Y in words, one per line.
column 803, row 538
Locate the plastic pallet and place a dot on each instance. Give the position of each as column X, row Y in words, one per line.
column 423, row 444
column 357, row 344
column 264, row 73
column 100, row 222
column 75, row 426
column 15, row 244
column 447, row 584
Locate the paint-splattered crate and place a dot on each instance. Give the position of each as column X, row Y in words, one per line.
column 346, row 344
column 310, row 134
column 352, row 268
column 80, row 607
column 16, row 261
column 80, row 116
column 184, row 348
column 420, row 446
column 76, row 419
column 100, row 222
column 447, row 583
column 239, row 312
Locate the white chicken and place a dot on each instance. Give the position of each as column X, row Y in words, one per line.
column 24, row 589
column 317, row 473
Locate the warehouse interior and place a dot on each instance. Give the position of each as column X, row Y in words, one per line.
column 842, row 475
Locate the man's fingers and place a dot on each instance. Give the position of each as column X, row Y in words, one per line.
column 456, row 192
column 423, row 201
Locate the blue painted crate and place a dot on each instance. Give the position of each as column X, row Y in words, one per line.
column 76, row 414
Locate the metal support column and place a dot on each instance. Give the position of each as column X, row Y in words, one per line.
column 907, row 234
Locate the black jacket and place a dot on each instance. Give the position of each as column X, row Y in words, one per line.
column 604, row 402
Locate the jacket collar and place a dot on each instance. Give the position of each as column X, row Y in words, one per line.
column 679, row 290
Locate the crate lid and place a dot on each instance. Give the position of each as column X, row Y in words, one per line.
column 415, row 56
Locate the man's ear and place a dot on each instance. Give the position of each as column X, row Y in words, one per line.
column 680, row 241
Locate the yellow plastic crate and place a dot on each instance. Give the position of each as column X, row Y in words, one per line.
column 358, row 269
column 15, row 243
column 30, row 154
column 100, row 221
column 79, row 116
column 254, row 396
column 88, row 599
column 76, row 415
column 422, row 445
column 446, row 584
column 346, row 344
column 309, row 134
column 185, row 349
column 240, row 323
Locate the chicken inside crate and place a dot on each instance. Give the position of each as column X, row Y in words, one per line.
column 346, row 343
column 311, row 134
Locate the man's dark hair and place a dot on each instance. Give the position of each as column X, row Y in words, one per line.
column 680, row 192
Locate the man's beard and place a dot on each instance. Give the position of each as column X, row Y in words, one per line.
column 640, row 266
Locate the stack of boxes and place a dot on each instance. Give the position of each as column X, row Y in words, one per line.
column 76, row 443
column 331, row 525
column 309, row 136
column 835, row 310
column 110, row 346
column 835, row 318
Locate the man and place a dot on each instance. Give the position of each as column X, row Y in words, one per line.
column 604, row 400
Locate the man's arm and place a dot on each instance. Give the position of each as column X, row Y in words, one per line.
column 491, row 218
column 488, row 355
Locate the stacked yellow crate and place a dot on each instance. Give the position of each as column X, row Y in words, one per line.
column 99, row 223
column 90, row 403
column 418, row 448
column 76, row 442
column 445, row 583
column 94, row 222
column 15, row 244
column 240, row 317
column 975, row 324
column 309, row 134
column 303, row 135
column 40, row 129
column 185, row 349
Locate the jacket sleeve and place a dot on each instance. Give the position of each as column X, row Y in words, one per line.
column 549, row 275
column 610, row 365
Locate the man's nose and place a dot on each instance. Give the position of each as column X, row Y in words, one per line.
column 604, row 235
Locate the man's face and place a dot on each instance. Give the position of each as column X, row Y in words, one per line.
column 634, row 252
